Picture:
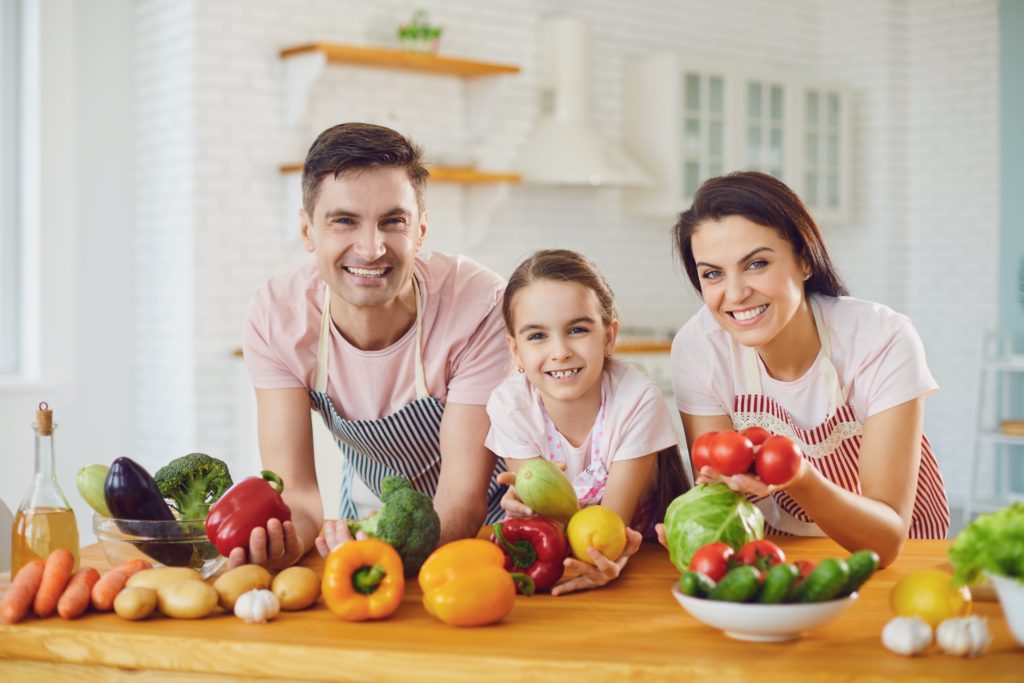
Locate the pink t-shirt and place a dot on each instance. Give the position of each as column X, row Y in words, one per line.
column 877, row 354
column 464, row 351
column 636, row 420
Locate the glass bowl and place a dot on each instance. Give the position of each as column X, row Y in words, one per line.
column 763, row 623
column 174, row 543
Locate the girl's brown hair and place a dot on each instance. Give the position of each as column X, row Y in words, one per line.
column 565, row 265
column 766, row 201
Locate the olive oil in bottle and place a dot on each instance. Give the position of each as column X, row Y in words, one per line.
column 45, row 520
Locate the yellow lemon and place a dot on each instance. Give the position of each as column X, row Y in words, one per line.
column 596, row 527
column 931, row 595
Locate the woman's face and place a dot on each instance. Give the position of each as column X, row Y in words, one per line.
column 750, row 278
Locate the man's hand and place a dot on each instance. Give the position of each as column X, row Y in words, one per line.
column 277, row 546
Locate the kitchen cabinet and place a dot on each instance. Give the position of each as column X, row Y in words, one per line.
column 689, row 120
column 304, row 64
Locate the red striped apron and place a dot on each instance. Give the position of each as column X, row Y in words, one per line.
column 832, row 448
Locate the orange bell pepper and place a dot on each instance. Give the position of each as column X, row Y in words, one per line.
column 465, row 583
column 363, row 580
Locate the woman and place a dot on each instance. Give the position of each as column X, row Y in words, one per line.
column 778, row 344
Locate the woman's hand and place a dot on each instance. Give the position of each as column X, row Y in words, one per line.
column 745, row 483
column 594, row 576
column 335, row 532
column 277, row 546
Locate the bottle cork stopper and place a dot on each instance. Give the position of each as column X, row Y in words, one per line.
column 44, row 420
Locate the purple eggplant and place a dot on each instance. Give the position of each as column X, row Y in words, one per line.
column 134, row 502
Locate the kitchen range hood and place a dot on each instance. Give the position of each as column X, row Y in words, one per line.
column 563, row 148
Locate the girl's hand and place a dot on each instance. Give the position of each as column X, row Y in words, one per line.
column 510, row 502
column 591, row 576
column 333, row 533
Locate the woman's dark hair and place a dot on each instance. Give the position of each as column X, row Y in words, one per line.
column 350, row 147
column 564, row 265
column 766, row 201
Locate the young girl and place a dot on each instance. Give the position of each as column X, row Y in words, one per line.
column 604, row 421
column 778, row 344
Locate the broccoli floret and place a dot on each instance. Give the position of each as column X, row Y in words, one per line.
column 192, row 483
column 407, row 522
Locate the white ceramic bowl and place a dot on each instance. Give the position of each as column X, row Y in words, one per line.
column 1011, row 596
column 762, row 623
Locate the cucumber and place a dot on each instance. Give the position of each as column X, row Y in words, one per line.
column 777, row 583
column 824, row 582
column 862, row 564
column 696, row 584
column 739, row 585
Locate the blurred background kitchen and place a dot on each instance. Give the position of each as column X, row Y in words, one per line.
column 146, row 189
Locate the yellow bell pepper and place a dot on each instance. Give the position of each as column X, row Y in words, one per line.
column 363, row 580
column 465, row 583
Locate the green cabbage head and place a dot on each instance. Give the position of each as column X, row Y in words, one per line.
column 708, row 513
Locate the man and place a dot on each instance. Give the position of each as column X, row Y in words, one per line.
column 396, row 350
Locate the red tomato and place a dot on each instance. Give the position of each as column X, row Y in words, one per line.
column 757, row 435
column 700, row 454
column 778, row 461
column 731, row 453
column 761, row 554
column 712, row 560
column 805, row 567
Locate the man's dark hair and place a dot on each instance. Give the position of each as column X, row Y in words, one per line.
column 354, row 147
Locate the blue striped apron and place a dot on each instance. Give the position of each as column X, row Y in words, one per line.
column 405, row 443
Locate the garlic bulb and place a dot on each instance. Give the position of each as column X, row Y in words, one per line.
column 907, row 635
column 963, row 637
column 257, row 606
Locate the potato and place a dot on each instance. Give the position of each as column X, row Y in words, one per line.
column 240, row 580
column 135, row 603
column 296, row 588
column 159, row 576
column 186, row 599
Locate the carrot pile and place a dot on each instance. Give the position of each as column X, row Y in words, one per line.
column 53, row 585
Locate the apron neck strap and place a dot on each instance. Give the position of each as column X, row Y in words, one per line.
column 752, row 373
column 323, row 345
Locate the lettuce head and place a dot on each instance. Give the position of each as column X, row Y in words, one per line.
column 992, row 543
column 708, row 513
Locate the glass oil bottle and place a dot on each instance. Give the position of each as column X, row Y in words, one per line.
column 45, row 520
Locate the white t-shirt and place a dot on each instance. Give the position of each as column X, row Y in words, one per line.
column 876, row 352
column 636, row 421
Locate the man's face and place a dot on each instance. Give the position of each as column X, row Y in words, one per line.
column 365, row 230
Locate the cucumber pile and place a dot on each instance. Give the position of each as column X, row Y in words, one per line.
column 782, row 582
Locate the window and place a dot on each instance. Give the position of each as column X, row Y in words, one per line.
column 10, row 170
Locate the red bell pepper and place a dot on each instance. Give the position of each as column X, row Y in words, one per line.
column 249, row 504
column 535, row 546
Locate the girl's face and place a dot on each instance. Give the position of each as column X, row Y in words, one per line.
column 750, row 278
column 559, row 340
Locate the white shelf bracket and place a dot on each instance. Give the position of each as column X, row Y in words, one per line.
column 301, row 71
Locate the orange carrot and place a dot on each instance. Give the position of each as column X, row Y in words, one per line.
column 107, row 588
column 56, row 575
column 75, row 599
column 22, row 591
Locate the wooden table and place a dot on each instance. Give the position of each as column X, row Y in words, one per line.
column 632, row 630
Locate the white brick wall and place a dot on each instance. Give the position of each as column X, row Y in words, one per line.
column 211, row 111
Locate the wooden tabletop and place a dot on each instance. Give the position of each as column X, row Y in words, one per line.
column 632, row 630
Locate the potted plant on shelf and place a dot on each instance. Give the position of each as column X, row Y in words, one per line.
column 418, row 35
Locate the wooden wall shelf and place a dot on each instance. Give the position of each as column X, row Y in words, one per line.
column 399, row 59
column 447, row 174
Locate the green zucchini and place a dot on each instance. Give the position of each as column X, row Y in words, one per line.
column 777, row 583
column 824, row 582
column 739, row 585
